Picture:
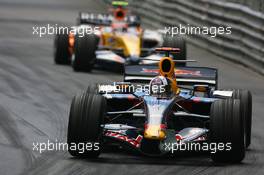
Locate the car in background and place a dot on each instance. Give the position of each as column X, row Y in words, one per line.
column 119, row 40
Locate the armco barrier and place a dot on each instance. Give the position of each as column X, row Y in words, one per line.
column 246, row 43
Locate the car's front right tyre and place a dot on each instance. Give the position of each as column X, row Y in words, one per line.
column 61, row 49
column 86, row 116
column 84, row 52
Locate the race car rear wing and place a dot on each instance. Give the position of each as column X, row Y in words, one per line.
column 104, row 19
column 185, row 75
column 94, row 19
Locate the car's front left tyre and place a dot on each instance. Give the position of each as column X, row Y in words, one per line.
column 245, row 98
column 227, row 131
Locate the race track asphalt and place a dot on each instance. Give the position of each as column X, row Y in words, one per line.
column 35, row 95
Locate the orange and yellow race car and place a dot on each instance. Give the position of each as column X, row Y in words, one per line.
column 111, row 40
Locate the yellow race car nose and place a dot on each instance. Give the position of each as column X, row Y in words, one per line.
column 154, row 132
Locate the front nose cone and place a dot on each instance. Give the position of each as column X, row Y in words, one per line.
column 134, row 60
column 154, row 132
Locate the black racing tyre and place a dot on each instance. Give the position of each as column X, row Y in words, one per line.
column 84, row 49
column 93, row 89
column 176, row 42
column 61, row 45
column 245, row 98
column 227, row 128
column 86, row 116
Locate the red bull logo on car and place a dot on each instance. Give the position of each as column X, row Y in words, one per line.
column 177, row 72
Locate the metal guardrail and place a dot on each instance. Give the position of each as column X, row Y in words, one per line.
column 246, row 43
column 257, row 5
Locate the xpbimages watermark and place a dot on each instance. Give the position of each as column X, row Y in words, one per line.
column 63, row 146
column 49, row 29
column 131, row 88
column 196, row 146
column 211, row 31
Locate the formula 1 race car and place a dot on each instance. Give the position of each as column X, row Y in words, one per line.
column 160, row 108
column 118, row 39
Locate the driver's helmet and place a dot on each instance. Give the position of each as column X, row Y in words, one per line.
column 160, row 86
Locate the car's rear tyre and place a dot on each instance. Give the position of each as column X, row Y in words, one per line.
column 245, row 98
column 176, row 42
column 84, row 49
column 61, row 46
column 86, row 116
column 227, row 127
